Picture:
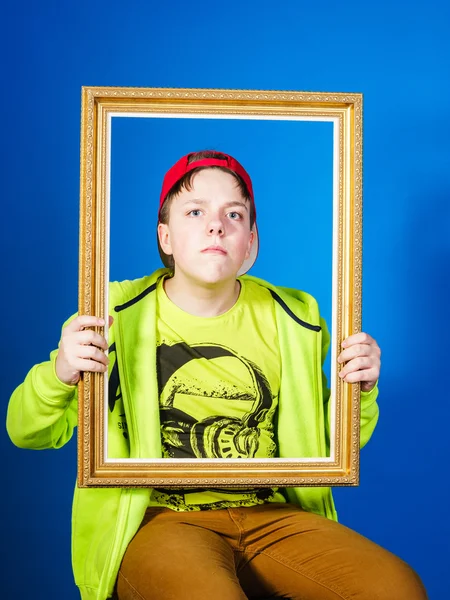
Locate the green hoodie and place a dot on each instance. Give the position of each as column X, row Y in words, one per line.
column 42, row 413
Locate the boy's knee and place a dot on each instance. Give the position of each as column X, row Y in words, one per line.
column 412, row 586
column 399, row 582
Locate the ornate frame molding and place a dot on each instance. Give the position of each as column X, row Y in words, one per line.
column 98, row 103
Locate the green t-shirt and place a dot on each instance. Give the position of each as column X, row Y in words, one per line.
column 218, row 381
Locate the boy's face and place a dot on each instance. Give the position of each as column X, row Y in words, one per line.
column 208, row 232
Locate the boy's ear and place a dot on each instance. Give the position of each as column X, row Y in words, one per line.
column 164, row 238
column 250, row 244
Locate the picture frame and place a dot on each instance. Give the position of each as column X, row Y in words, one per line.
column 102, row 107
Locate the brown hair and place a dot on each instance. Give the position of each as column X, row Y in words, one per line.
column 186, row 183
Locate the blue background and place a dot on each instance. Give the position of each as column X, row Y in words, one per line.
column 397, row 54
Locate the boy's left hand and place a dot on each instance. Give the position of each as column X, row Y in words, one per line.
column 361, row 354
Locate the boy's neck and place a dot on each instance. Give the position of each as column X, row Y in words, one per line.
column 202, row 300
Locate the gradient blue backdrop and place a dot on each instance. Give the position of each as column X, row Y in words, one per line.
column 397, row 54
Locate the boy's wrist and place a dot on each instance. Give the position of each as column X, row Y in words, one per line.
column 50, row 387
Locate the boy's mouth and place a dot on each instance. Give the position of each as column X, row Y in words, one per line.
column 214, row 250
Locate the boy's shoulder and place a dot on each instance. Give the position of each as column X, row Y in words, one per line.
column 121, row 292
column 286, row 293
column 301, row 303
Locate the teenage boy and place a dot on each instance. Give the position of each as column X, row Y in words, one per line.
column 205, row 362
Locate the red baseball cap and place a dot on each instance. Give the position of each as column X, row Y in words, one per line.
column 183, row 166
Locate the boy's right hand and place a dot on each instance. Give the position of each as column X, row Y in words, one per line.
column 81, row 349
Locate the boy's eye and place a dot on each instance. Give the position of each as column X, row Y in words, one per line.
column 234, row 215
column 195, row 212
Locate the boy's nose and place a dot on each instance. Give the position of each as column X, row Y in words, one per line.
column 215, row 227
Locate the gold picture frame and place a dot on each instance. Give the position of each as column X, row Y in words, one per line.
column 344, row 111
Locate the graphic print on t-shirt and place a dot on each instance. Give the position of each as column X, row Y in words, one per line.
column 213, row 403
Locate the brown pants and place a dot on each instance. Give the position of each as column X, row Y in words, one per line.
column 266, row 551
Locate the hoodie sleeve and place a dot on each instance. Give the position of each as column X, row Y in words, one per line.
column 42, row 411
column 369, row 414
